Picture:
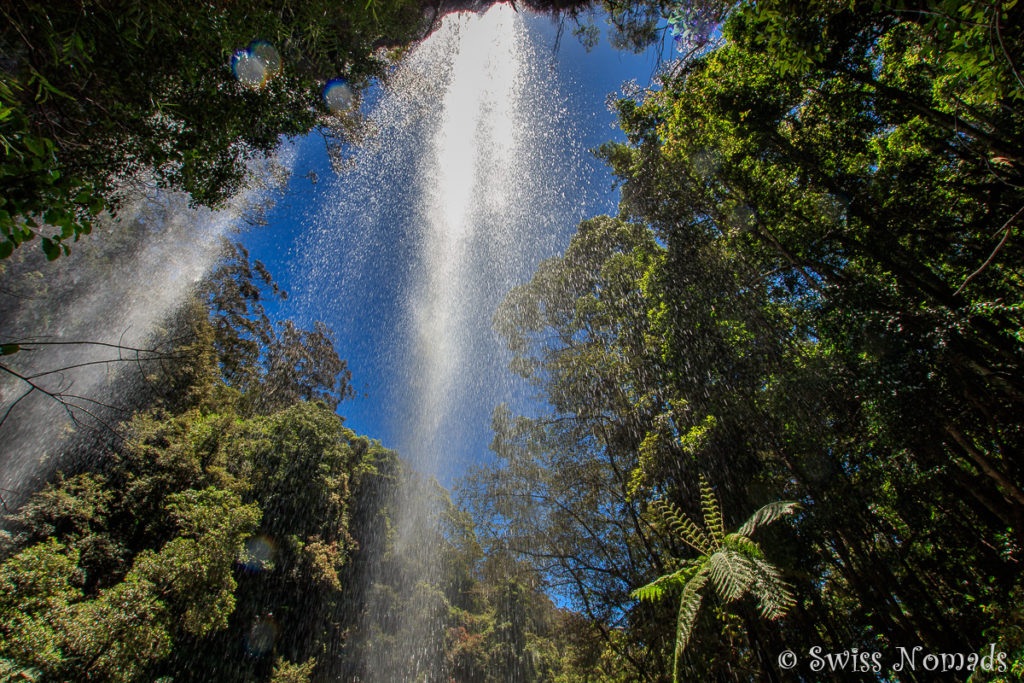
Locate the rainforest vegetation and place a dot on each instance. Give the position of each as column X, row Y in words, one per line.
column 234, row 521
column 781, row 390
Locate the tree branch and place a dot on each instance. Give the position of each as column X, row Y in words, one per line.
column 1006, row 234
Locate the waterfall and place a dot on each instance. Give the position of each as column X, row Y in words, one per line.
column 457, row 194
column 77, row 320
column 469, row 177
column 459, row 191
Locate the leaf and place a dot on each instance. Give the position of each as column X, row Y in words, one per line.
column 9, row 349
column 743, row 544
column 732, row 574
column 772, row 592
column 689, row 605
column 712, row 512
column 683, row 526
column 654, row 591
column 51, row 249
column 766, row 515
column 35, row 145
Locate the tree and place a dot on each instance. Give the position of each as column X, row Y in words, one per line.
column 823, row 222
column 796, row 304
column 97, row 95
column 563, row 495
column 99, row 98
column 274, row 365
column 153, row 550
column 734, row 563
column 186, row 586
column 868, row 216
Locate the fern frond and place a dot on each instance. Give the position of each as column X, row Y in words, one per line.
column 743, row 544
column 689, row 605
column 683, row 527
column 766, row 515
column 712, row 512
column 734, row 564
column 731, row 573
column 654, row 591
column 772, row 592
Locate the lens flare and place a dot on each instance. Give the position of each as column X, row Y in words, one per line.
column 268, row 54
column 256, row 64
column 338, row 95
column 248, row 68
column 259, row 554
column 261, row 636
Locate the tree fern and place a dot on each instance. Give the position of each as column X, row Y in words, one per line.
column 683, row 526
column 734, row 564
column 689, row 606
column 712, row 512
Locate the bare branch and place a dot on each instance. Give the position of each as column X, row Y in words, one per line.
column 1006, row 235
column 73, row 403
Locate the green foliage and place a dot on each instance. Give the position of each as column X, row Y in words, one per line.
column 734, row 564
column 221, row 510
column 166, row 523
column 40, row 199
column 815, row 299
column 95, row 94
column 288, row 672
column 111, row 635
column 1006, row 634
column 38, row 587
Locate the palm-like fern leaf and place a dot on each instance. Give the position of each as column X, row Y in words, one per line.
column 712, row 512
column 766, row 515
column 689, row 605
column 682, row 526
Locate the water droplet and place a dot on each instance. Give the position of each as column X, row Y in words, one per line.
column 260, row 553
column 261, row 636
column 338, row 95
column 268, row 54
column 249, row 69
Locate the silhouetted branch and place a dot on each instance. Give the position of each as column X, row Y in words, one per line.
column 1006, row 235
column 62, row 398
column 73, row 403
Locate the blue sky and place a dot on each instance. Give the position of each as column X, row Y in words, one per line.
column 348, row 250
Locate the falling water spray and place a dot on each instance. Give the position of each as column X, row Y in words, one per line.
column 456, row 195
column 79, row 321
column 468, row 178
